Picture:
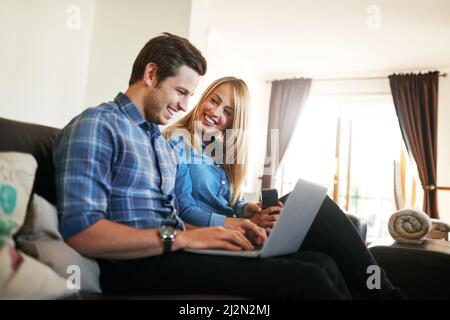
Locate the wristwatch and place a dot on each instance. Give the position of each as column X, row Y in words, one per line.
column 167, row 235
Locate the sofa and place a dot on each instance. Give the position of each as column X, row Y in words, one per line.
column 37, row 140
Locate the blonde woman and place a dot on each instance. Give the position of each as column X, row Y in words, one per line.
column 212, row 144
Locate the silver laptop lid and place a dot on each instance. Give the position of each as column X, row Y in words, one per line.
column 295, row 220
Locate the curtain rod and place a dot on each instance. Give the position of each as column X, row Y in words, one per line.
column 444, row 75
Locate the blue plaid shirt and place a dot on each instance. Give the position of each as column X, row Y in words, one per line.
column 110, row 163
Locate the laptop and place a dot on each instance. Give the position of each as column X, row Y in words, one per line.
column 288, row 233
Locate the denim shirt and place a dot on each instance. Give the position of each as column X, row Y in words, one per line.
column 202, row 188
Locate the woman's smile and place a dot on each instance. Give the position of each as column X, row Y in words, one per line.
column 209, row 121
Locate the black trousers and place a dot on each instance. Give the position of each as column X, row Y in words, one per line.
column 333, row 234
column 331, row 264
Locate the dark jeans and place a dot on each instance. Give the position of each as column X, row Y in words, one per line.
column 332, row 260
column 305, row 275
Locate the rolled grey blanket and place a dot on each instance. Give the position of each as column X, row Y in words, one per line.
column 409, row 226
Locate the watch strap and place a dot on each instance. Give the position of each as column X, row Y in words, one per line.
column 167, row 245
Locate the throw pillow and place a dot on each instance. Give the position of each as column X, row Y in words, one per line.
column 16, row 180
column 21, row 277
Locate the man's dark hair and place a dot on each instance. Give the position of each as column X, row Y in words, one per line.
column 168, row 52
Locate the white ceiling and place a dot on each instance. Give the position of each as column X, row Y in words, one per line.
column 312, row 37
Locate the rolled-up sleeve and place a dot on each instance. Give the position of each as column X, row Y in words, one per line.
column 238, row 208
column 83, row 153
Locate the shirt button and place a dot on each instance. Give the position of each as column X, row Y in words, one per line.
column 223, row 181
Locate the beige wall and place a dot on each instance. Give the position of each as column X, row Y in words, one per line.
column 43, row 62
column 51, row 72
column 121, row 28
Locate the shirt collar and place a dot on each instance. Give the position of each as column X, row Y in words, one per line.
column 131, row 110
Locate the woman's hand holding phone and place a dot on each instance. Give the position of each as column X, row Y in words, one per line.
column 263, row 218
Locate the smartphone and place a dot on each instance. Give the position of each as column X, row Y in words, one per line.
column 269, row 198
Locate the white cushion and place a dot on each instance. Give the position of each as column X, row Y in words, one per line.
column 40, row 238
column 22, row 277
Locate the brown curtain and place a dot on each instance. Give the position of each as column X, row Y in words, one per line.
column 416, row 102
column 287, row 99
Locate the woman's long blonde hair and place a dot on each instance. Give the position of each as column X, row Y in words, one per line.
column 237, row 169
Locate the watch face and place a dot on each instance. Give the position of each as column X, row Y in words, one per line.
column 167, row 232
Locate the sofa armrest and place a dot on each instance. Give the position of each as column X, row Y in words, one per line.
column 420, row 271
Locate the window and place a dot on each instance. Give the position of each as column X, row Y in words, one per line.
column 349, row 144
